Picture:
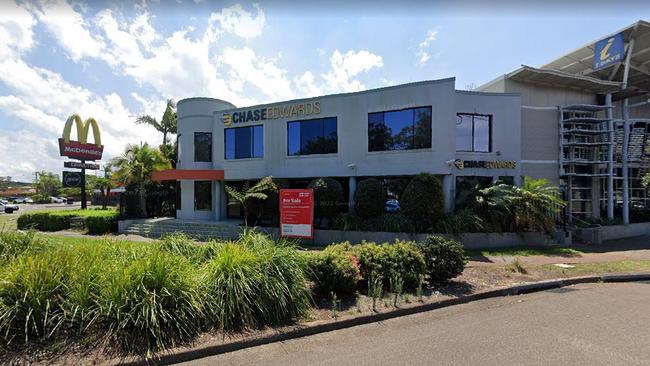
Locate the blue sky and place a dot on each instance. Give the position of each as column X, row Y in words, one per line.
column 116, row 60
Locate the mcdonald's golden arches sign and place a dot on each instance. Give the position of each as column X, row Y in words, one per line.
column 81, row 149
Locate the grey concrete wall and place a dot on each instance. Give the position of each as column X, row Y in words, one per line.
column 543, row 96
column 611, row 232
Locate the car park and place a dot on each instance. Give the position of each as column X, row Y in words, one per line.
column 56, row 200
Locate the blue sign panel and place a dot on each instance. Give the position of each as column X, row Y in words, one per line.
column 609, row 51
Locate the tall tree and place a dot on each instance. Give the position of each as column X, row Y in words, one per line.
column 167, row 125
column 47, row 184
column 136, row 166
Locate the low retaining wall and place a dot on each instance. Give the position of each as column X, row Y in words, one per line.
column 600, row 234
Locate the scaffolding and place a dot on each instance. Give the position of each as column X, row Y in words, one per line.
column 586, row 155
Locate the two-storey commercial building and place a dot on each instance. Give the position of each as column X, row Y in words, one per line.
column 565, row 121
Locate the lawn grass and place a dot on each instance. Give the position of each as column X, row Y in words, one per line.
column 583, row 269
column 524, row 252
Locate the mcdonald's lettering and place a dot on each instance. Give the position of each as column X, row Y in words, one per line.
column 81, row 149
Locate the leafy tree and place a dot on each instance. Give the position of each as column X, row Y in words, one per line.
column 369, row 198
column 136, row 166
column 104, row 184
column 328, row 193
column 47, row 184
column 167, row 125
column 423, row 201
column 248, row 194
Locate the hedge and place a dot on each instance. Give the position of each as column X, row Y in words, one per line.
column 333, row 271
column 328, row 194
column 96, row 221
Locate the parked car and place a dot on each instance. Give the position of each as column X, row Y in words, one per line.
column 8, row 208
column 23, row 200
column 63, row 199
column 392, row 205
column 3, row 201
column 56, row 200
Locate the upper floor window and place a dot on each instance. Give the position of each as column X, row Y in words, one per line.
column 316, row 136
column 473, row 132
column 244, row 142
column 203, row 146
column 406, row 129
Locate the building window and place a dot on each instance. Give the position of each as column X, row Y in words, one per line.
column 473, row 132
column 406, row 129
column 202, row 195
column 316, row 136
column 244, row 142
column 203, row 146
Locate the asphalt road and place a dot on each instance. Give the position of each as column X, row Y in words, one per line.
column 594, row 324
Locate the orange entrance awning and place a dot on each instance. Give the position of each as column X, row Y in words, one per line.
column 188, row 174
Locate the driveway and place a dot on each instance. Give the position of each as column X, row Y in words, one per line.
column 593, row 324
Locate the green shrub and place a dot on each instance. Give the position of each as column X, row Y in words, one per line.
column 328, row 197
column 387, row 260
column 152, row 303
column 333, row 272
column 43, row 221
column 395, row 223
column 445, row 258
column 389, row 222
column 101, row 221
column 255, row 282
column 461, row 221
column 101, row 224
column 423, row 201
column 369, row 198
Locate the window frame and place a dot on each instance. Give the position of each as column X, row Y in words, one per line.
column 336, row 120
column 196, row 150
column 252, row 127
column 490, row 147
column 209, row 183
column 383, row 121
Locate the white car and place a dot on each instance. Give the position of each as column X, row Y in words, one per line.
column 23, row 200
column 8, row 208
column 56, row 200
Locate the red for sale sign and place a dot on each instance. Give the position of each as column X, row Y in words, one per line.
column 297, row 213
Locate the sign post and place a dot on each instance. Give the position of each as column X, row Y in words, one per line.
column 297, row 213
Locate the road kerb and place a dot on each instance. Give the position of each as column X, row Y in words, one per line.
column 308, row 329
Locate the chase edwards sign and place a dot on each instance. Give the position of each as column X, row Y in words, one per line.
column 485, row 164
column 263, row 114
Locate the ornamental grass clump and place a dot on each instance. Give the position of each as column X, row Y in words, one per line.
column 255, row 282
column 152, row 303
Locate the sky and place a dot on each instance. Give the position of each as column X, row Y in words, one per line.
column 116, row 60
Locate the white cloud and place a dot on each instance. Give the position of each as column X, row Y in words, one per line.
column 341, row 76
column 423, row 54
column 69, row 28
column 247, row 67
column 125, row 48
column 16, row 34
column 236, row 20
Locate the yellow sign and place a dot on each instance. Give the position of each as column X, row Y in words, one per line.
column 82, row 130
column 263, row 114
column 485, row 164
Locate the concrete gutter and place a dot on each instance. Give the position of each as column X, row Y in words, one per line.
column 303, row 330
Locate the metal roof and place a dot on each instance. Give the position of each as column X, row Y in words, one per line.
column 579, row 62
column 558, row 79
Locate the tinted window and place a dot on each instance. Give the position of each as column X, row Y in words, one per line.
column 473, row 132
column 400, row 130
column 202, row 195
column 203, row 146
column 316, row 136
column 244, row 142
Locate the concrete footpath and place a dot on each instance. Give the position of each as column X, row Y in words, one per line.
column 587, row 324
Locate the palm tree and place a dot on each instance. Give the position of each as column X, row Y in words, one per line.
column 247, row 193
column 136, row 166
column 166, row 125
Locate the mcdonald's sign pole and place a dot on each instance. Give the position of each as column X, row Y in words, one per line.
column 81, row 149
